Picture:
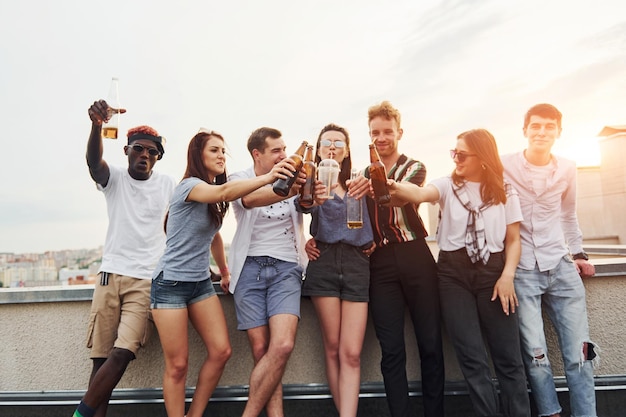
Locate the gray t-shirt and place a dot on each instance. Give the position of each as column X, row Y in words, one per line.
column 190, row 231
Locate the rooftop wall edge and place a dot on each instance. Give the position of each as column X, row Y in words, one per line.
column 69, row 293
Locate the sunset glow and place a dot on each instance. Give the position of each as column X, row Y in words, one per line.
column 584, row 151
column 448, row 67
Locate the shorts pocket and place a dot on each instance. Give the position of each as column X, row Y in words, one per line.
column 147, row 329
column 567, row 258
column 323, row 247
column 162, row 282
column 90, row 329
column 359, row 254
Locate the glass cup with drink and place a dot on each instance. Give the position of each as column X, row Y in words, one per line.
column 328, row 174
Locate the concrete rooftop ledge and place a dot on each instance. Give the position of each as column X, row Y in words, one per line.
column 606, row 267
column 615, row 265
column 44, row 358
column 50, row 294
column 613, row 250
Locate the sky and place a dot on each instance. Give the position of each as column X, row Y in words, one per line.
column 448, row 66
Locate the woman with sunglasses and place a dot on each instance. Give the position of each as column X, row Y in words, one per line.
column 182, row 290
column 479, row 242
column 338, row 279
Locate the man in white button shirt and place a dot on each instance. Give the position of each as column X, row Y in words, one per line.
column 551, row 266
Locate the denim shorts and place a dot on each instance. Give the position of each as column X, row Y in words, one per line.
column 267, row 286
column 178, row 294
column 341, row 271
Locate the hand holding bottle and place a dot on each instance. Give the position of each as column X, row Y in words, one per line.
column 282, row 187
column 354, row 209
column 378, row 177
column 100, row 112
column 282, row 170
column 359, row 187
column 297, row 178
column 112, row 123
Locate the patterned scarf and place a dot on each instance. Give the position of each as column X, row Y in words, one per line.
column 475, row 242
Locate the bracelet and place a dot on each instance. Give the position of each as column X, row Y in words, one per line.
column 224, row 271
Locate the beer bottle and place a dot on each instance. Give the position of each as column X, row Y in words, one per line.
column 281, row 186
column 378, row 176
column 110, row 127
column 308, row 189
column 354, row 210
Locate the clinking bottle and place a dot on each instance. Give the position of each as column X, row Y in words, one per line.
column 110, row 127
column 308, row 189
column 354, row 210
column 378, row 176
column 281, row 186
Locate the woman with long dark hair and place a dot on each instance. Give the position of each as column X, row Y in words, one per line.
column 479, row 249
column 337, row 280
column 182, row 290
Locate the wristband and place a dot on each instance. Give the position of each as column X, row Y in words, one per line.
column 580, row 255
column 224, row 271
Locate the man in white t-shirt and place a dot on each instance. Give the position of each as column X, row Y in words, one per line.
column 267, row 260
column 137, row 199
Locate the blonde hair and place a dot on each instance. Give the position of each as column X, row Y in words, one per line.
column 384, row 110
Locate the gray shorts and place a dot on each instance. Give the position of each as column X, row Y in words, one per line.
column 341, row 271
column 266, row 287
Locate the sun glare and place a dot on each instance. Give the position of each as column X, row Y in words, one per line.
column 584, row 151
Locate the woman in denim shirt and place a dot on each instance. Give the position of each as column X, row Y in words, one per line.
column 337, row 276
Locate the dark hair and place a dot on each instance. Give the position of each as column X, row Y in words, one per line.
column 196, row 168
column 544, row 110
column 384, row 110
column 257, row 138
column 483, row 144
column 346, row 164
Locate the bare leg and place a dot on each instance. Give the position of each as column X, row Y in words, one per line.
column 328, row 311
column 172, row 327
column 274, row 406
column 208, row 319
column 269, row 369
column 353, row 323
column 343, row 341
column 104, row 377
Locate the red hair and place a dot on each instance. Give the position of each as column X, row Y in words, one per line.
column 142, row 129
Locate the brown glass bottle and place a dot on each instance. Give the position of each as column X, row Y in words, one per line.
column 378, row 176
column 308, row 189
column 281, row 186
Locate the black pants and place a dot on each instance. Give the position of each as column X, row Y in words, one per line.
column 404, row 275
column 469, row 315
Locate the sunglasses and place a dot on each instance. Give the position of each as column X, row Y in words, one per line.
column 140, row 148
column 460, row 156
column 338, row 143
